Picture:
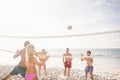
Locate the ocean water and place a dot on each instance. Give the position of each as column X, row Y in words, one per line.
column 108, row 56
column 95, row 52
column 105, row 61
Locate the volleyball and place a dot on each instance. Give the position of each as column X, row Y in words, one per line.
column 69, row 27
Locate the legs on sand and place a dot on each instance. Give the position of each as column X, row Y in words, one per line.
column 45, row 73
column 17, row 70
column 89, row 70
column 7, row 77
column 91, row 76
column 67, row 72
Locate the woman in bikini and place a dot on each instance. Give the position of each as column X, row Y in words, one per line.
column 43, row 56
column 31, row 63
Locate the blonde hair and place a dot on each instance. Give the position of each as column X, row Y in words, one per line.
column 29, row 53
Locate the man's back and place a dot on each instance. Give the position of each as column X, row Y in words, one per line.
column 21, row 67
column 21, row 53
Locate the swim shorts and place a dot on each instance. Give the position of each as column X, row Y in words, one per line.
column 89, row 69
column 67, row 64
column 18, row 70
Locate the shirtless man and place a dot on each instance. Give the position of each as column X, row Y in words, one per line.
column 43, row 57
column 21, row 67
column 67, row 60
column 89, row 67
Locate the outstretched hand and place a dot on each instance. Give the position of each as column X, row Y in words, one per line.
column 16, row 54
column 81, row 54
column 17, row 51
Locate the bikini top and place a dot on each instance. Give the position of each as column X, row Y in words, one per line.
column 42, row 56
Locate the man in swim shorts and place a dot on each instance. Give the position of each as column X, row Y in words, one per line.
column 21, row 67
column 67, row 61
column 89, row 67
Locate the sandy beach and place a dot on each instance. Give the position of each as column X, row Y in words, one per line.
column 54, row 73
column 105, row 68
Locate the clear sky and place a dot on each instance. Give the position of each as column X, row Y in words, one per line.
column 51, row 17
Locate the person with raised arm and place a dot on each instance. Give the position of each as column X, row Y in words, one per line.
column 43, row 57
column 89, row 67
column 21, row 67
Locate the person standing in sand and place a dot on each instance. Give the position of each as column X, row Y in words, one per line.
column 31, row 63
column 21, row 67
column 67, row 61
column 43, row 57
column 89, row 67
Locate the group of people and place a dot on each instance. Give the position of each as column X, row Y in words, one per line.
column 67, row 60
column 28, row 62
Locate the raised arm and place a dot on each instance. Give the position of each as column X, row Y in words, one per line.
column 82, row 57
column 36, row 54
column 37, row 63
column 17, row 53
